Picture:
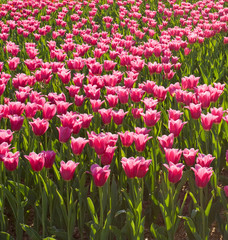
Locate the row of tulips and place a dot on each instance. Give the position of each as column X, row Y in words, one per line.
column 134, row 93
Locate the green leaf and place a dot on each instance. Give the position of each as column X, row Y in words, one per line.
column 62, row 206
column 191, row 226
column 31, row 232
column 92, row 210
column 208, row 208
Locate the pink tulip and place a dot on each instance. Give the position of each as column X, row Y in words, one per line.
column 175, row 171
column 207, row 121
column 78, row 144
column 6, row 136
column 67, row 169
column 100, row 175
column 39, row 127
column 36, row 161
column 204, row 160
column 49, row 158
column 166, row 141
column 64, row 134
column 126, row 138
column 107, row 157
column 190, row 156
column 118, row 116
column 151, row 117
column 140, row 141
column 11, row 160
column 202, row 175
column 175, row 127
column 195, row 110
column 173, row 155
column 135, row 167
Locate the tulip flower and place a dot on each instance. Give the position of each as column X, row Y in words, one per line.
column 100, row 175
column 195, row 110
column 175, row 127
column 175, row 171
column 204, row 160
column 173, row 155
column 67, row 169
column 202, row 175
column 207, row 121
column 126, row 138
column 36, row 161
column 135, row 167
column 6, row 136
column 39, row 126
column 64, row 134
column 140, row 141
column 16, row 122
column 49, row 158
column 11, row 160
column 78, row 144
column 190, row 156
column 166, row 141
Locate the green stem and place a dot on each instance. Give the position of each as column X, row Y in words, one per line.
column 101, row 205
column 2, row 196
column 202, row 213
column 68, row 213
column 41, row 194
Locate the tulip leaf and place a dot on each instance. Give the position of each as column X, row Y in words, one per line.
column 92, row 210
column 191, row 226
column 62, row 206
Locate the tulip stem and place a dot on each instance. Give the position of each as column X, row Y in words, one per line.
column 101, row 205
column 68, row 212
column 202, row 212
column 2, row 196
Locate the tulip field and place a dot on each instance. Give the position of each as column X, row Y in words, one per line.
column 113, row 119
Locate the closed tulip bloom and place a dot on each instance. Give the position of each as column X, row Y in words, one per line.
column 175, row 171
column 135, row 167
column 118, row 116
column 16, row 122
column 86, row 120
column 123, row 95
column 6, row 136
column 100, row 175
column 195, row 110
column 202, row 175
column 67, row 169
column 49, row 111
column 100, row 144
column 107, row 157
column 64, row 134
column 175, row 127
column 11, row 160
column 112, row 100
column 226, row 190
column 36, row 161
column 207, row 121
column 106, row 115
column 151, row 117
column 140, row 141
column 205, row 99
column 166, row 141
column 190, row 156
column 126, row 138
column 31, row 109
column 39, row 126
column 173, row 155
column 49, row 158
column 78, row 144
column 16, row 108
column 204, row 160
column 62, row 107
column 136, row 112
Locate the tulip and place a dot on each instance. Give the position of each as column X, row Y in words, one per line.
column 39, row 127
column 207, row 121
column 175, row 127
column 100, row 175
column 107, row 157
column 67, row 169
column 218, row 112
column 78, row 144
column 49, row 158
column 204, row 160
column 140, row 141
column 173, row 114
column 64, row 134
column 135, row 167
column 4, row 148
column 202, row 175
column 166, row 141
column 151, row 117
column 144, row 131
column 16, row 122
column 11, row 160
column 106, row 115
column 173, row 155
column 118, row 116
column 175, row 171
column 195, row 110
column 36, row 161
column 127, row 138
column 6, row 136
column 189, row 156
